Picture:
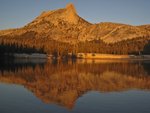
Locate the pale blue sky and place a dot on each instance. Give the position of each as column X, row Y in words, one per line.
column 17, row 13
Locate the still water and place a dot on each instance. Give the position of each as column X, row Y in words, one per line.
column 82, row 86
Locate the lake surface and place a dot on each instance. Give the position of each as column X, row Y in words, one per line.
column 82, row 86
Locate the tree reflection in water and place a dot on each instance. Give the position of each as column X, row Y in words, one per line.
column 63, row 83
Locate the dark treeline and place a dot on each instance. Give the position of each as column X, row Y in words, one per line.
column 140, row 45
column 15, row 48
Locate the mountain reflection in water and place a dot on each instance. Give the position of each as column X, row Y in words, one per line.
column 63, row 83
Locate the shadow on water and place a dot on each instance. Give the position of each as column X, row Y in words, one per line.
column 11, row 64
column 146, row 66
column 53, row 81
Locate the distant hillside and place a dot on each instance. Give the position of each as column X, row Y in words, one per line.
column 63, row 30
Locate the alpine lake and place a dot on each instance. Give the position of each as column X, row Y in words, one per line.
column 74, row 86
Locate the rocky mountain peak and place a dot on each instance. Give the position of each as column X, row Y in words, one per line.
column 67, row 14
column 70, row 14
column 71, row 7
column 65, row 25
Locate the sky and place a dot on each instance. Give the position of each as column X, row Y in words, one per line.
column 17, row 13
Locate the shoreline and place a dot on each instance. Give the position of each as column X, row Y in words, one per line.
column 110, row 56
column 83, row 56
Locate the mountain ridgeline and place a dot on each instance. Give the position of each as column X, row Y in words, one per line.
column 63, row 31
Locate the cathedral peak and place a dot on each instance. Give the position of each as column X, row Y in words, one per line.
column 71, row 7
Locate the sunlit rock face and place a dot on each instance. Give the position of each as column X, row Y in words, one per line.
column 65, row 25
column 63, row 84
